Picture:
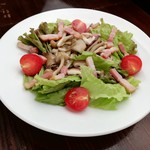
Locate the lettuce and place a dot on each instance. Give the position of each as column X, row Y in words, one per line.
column 52, row 91
column 33, row 39
column 49, row 86
column 134, row 82
column 99, row 62
column 47, row 28
column 66, row 22
column 102, row 95
column 55, row 98
column 104, row 29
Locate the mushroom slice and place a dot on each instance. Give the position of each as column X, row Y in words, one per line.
column 60, row 66
column 64, row 48
column 96, row 42
column 61, row 56
column 53, row 43
column 63, row 40
column 100, row 49
column 79, row 46
column 69, row 63
column 73, row 71
column 89, row 40
column 79, row 63
column 50, row 59
column 96, row 46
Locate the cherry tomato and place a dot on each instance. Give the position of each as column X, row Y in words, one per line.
column 131, row 63
column 77, row 98
column 31, row 64
column 79, row 26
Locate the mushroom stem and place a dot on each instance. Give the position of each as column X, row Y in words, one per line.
column 60, row 66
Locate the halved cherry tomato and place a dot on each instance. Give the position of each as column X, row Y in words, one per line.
column 79, row 26
column 31, row 64
column 77, row 98
column 131, row 63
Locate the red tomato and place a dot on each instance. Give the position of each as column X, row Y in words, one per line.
column 77, row 98
column 132, row 64
column 79, row 26
column 31, row 64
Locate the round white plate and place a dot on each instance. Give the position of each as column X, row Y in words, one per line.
column 59, row 120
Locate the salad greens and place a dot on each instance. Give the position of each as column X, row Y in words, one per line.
column 105, row 91
column 125, row 37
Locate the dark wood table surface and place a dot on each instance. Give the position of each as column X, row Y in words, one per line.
column 15, row 134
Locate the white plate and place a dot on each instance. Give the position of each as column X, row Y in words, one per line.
column 56, row 119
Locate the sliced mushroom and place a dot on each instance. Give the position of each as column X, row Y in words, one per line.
column 64, row 48
column 53, row 43
column 50, row 59
column 63, row 40
column 73, row 71
column 69, row 63
column 61, row 56
column 89, row 40
column 100, row 49
column 96, row 46
column 54, row 51
column 96, row 42
column 60, row 66
column 79, row 46
column 79, row 63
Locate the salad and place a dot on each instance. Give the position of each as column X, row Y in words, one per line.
column 70, row 63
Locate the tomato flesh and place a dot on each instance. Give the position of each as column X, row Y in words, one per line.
column 31, row 64
column 77, row 98
column 79, row 26
column 132, row 64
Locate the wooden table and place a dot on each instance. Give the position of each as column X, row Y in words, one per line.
column 18, row 135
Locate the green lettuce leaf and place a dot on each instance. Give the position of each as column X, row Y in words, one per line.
column 47, row 28
column 53, row 91
column 32, row 39
column 104, row 29
column 104, row 103
column 45, row 86
column 112, row 93
column 55, row 98
column 99, row 62
column 134, row 82
column 66, row 22
column 126, row 39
